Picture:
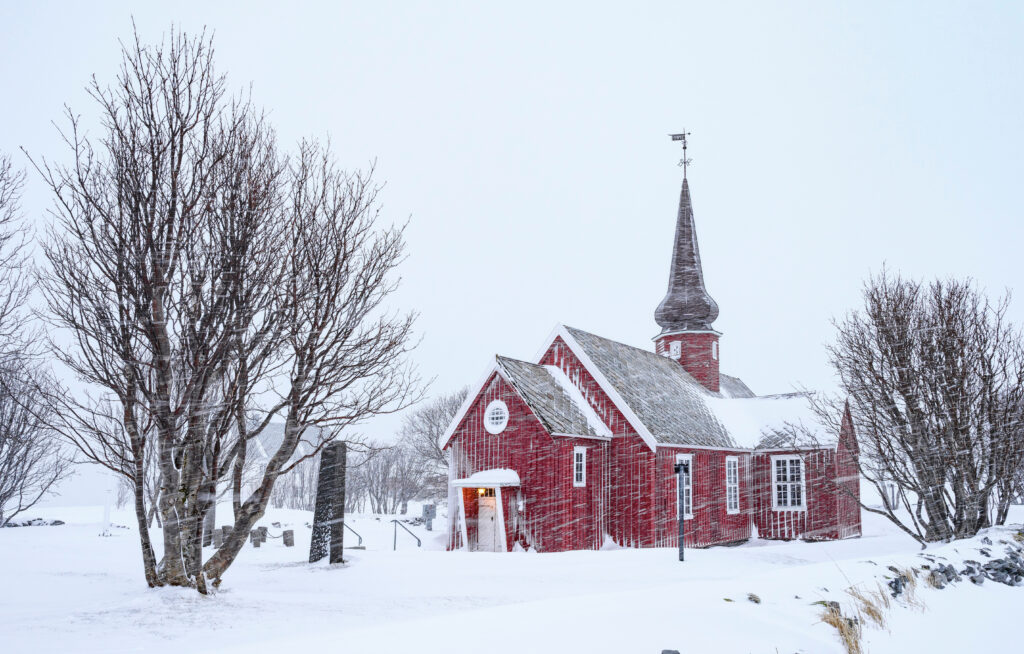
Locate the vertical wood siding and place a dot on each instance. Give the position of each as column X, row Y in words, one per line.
column 631, row 492
column 555, row 516
column 820, row 519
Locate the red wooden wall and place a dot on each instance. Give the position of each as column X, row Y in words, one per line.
column 631, row 491
column 711, row 524
column 555, row 516
column 847, row 476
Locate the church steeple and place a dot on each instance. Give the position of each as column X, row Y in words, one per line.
column 687, row 305
column 687, row 311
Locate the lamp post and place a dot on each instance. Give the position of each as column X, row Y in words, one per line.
column 681, row 469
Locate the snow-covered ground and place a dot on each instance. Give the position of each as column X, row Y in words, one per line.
column 67, row 589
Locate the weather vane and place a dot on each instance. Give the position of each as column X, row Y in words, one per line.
column 684, row 162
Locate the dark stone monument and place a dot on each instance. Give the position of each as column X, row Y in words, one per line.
column 329, row 516
column 289, row 537
column 263, row 534
column 254, row 536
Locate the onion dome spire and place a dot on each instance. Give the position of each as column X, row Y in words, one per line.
column 687, row 305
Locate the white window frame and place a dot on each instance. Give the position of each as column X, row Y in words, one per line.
column 732, row 488
column 776, row 483
column 496, row 428
column 688, row 488
column 675, row 349
column 579, row 456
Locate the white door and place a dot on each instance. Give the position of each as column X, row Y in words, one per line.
column 487, row 532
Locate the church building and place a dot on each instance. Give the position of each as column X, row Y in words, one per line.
column 580, row 445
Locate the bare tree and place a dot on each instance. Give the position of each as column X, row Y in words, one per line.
column 199, row 273
column 934, row 374
column 421, row 432
column 346, row 355
column 31, row 460
column 392, row 478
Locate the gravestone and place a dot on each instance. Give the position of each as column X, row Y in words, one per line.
column 429, row 513
column 329, row 515
column 263, row 534
column 254, row 536
column 289, row 538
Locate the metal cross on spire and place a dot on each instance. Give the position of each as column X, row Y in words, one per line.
column 684, row 162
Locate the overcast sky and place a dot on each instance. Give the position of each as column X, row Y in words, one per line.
column 528, row 148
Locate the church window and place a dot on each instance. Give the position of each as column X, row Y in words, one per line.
column 579, row 466
column 496, row 417
column 732, row 484
column 788, row 484
column 714, row 350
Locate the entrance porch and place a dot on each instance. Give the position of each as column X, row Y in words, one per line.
column 487, row 501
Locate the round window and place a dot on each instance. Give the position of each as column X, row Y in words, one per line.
column 496, row 417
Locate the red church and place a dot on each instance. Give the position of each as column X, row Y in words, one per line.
column 580, row 445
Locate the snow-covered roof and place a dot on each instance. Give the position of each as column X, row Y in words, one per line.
column 662, row 401
column 556, row 402
column 733, row 387
column 673, row 408
column 659, row 391
column 771, row 421
column 486, row 478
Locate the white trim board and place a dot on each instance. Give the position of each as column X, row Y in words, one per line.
column 475, row 393
column 602, row 382
column 470, row 399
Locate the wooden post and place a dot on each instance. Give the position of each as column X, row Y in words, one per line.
column 289, row 538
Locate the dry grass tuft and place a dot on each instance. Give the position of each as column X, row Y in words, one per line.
column 871, row 604
column 910, row 590
column 848, row 628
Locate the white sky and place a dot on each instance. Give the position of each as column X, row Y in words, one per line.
column 529, row 148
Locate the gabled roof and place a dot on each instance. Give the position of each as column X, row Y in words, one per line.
column 667, row 406
column 665, row 399
column 557, row 403
column 663, row 403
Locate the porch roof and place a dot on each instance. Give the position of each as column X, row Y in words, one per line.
column 489, row 478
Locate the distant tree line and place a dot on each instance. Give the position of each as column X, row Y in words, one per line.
column 384, row 479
